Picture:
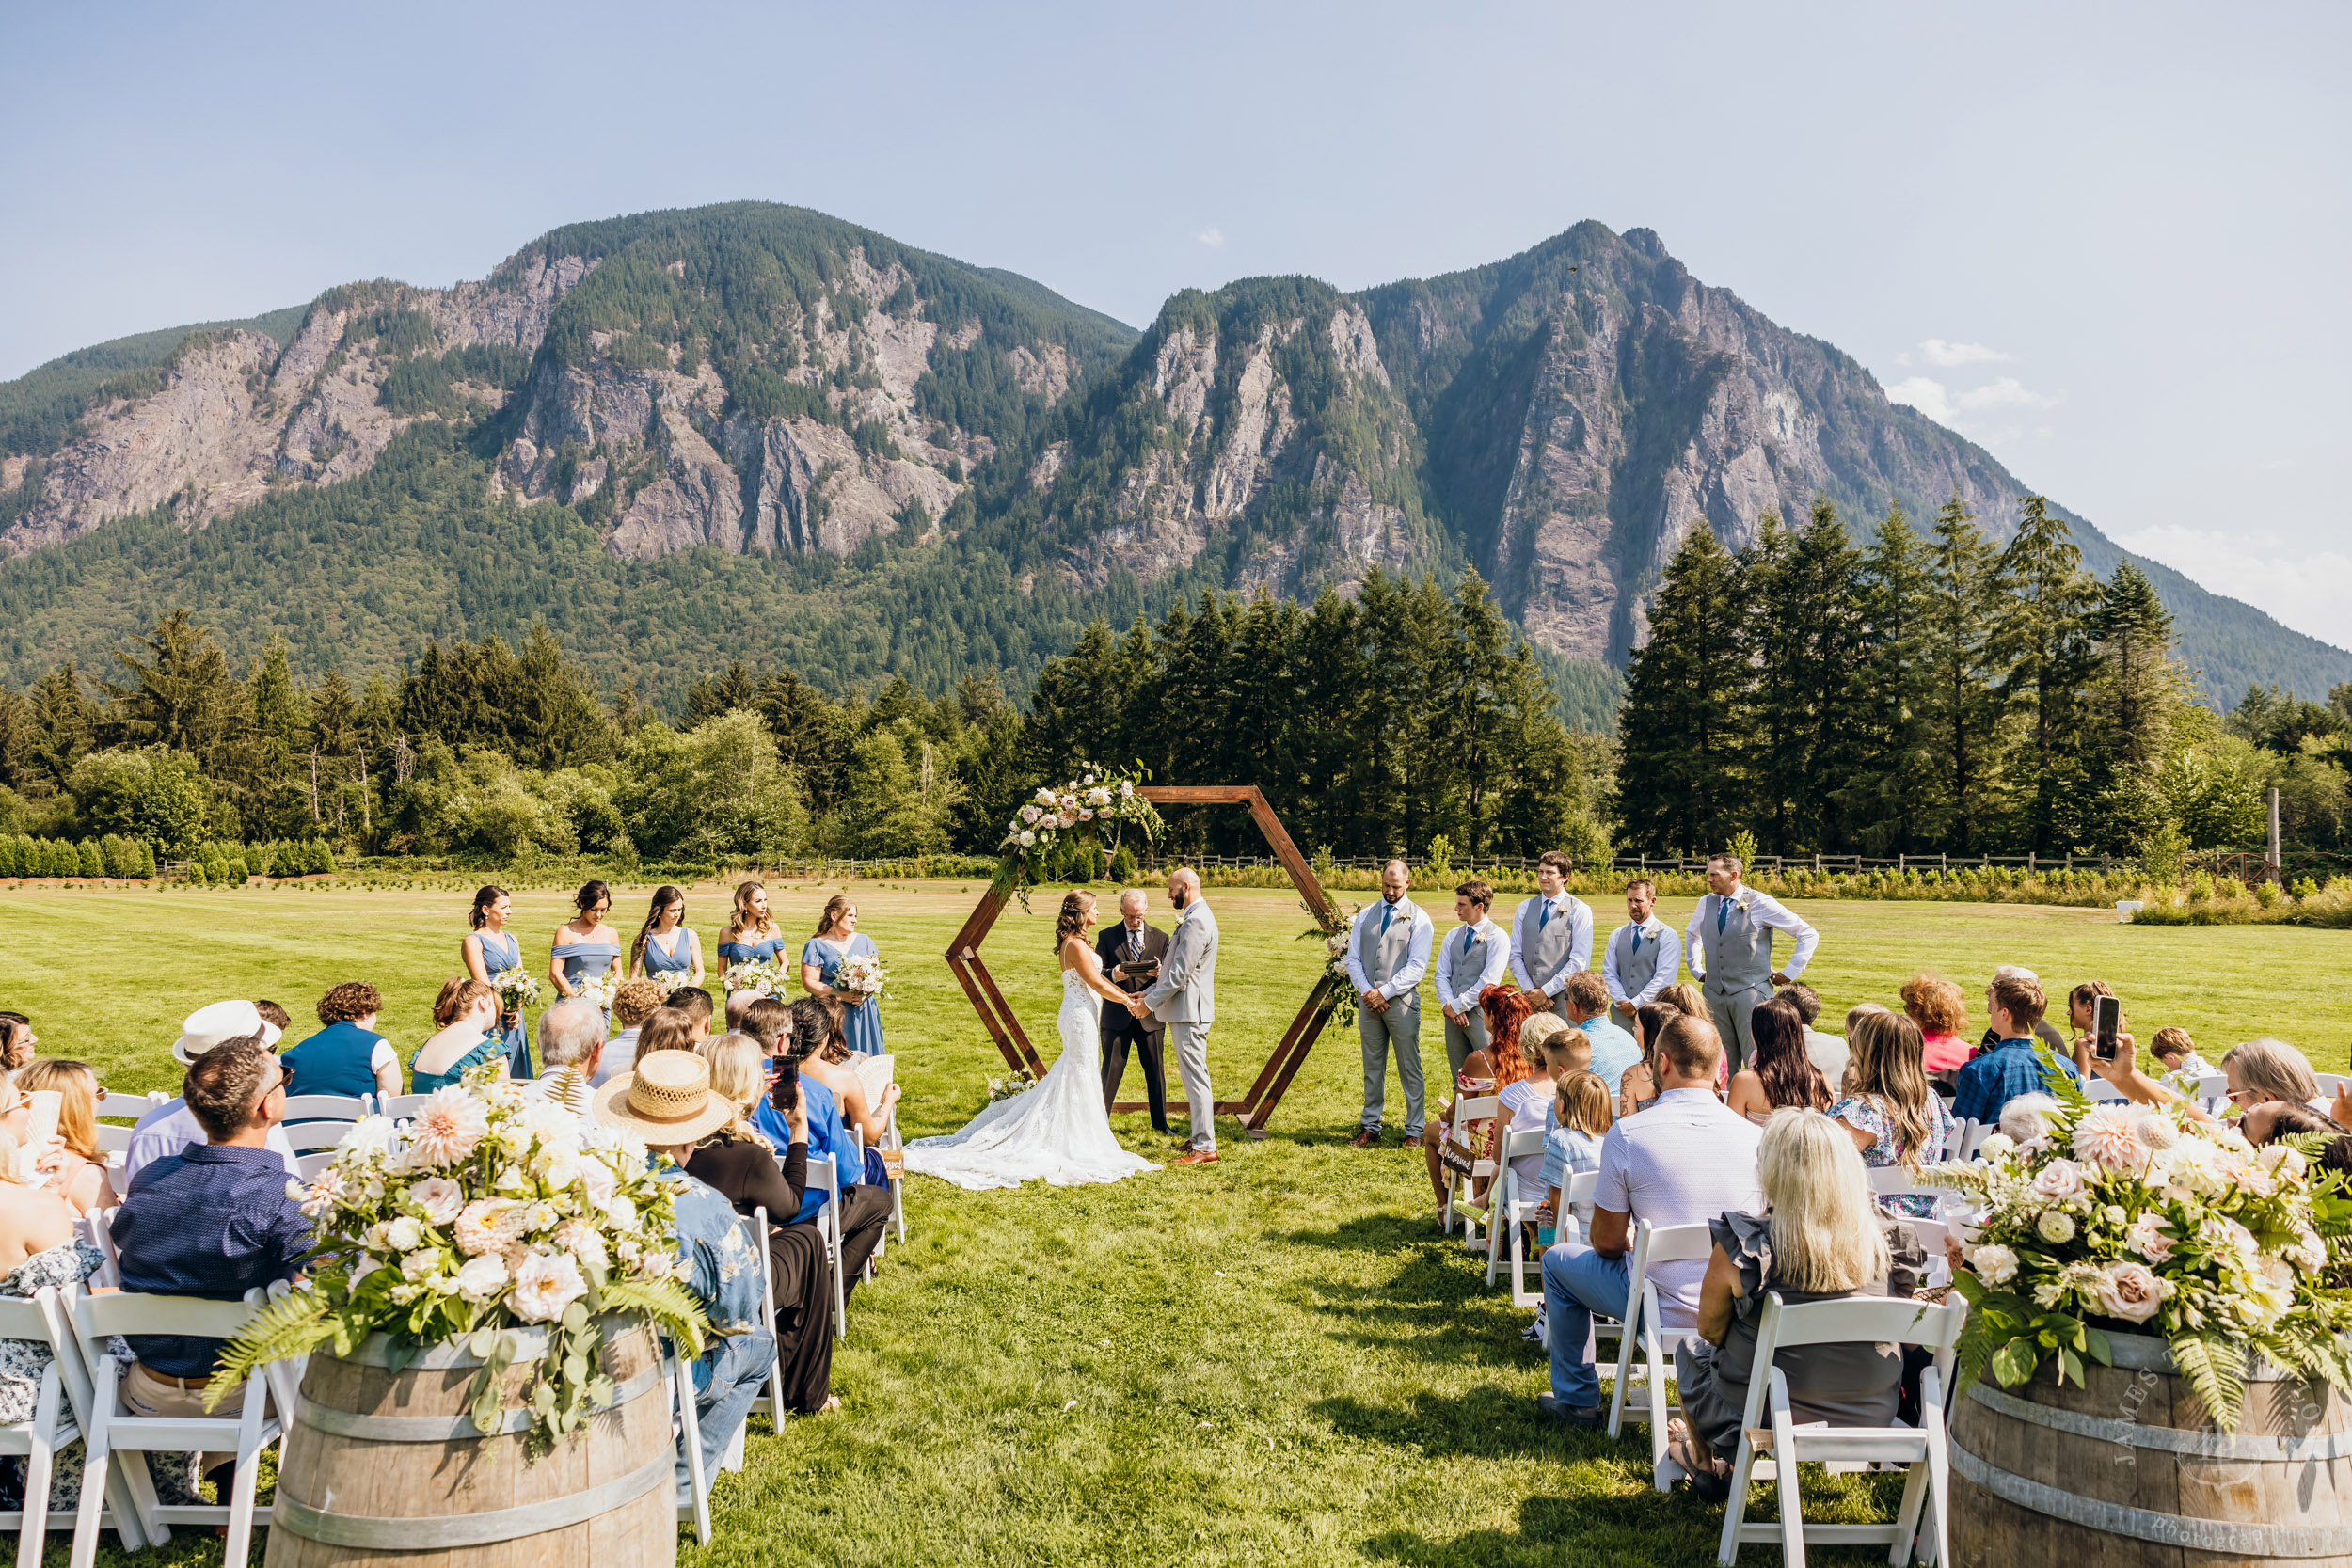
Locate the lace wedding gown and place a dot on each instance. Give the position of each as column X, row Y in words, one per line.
column 1058, row 1129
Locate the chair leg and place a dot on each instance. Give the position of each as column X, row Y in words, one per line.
column 1907, row 1516
column 1939, row 1497
column 1736, row 1506
column 1658, row 1363
column 33, row 1533
column 241, row 1496
column 1784, row 1478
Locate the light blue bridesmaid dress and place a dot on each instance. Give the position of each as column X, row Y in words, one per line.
column 678, row 961
column 585, row 960
column 751, row 952
column 503, row 950
column 861, row 1025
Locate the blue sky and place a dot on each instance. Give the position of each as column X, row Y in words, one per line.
column 2105, row 241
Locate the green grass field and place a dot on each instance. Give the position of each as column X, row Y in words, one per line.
column 1275, row 1359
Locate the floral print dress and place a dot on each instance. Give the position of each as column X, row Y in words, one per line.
column 1861, row 1111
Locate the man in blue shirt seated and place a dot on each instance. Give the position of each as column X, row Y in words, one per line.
column 1992, row 1078
column 796, row 1033
column 213, row 1220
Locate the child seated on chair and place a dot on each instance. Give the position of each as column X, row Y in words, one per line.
column 2179, row 1066
column 1582, row 1115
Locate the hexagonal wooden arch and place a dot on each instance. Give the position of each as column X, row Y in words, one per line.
column 1282, row 1065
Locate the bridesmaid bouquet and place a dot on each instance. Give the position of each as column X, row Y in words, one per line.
column 598, row 988
column 1004, row 1089
column 493, row 1218
column 757, row 975
column 862, row 975
column 516, row 989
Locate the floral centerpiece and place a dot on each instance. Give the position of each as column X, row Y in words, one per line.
column 1077, row 811
column 2144, row 1219
column 516, row 989
column 863, row 974
column 490, row 1211
column 760, row 976
column 1332, row 928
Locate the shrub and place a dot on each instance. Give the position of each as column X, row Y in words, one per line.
column 196, row 874
column 1124, row 866
column 93, row 863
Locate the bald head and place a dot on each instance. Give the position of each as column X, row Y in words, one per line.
column 1394, row 880
column 1183, row 886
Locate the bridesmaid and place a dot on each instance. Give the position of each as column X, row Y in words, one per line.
column 835, row 943
column 584, row 946
column 751, row 936
column 488, row 949
column 465, row 1012
column 664, row 948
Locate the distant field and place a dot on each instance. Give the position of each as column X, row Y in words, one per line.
column 1276, row 1359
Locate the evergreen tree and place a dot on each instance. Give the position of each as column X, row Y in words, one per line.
column 707, row 699
column 181, row 695
column 1767, row 626
column 65, row 726
column 1892, row 774
column 1960, row 624
column 1822, row 585
column 1679, row 729
column 2044, row 642
column 2130, row 706
column 281, row 711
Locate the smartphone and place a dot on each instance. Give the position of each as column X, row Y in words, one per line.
column 2107, row 1022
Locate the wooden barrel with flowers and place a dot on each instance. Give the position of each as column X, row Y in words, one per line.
column 483, row 1323
column 386, row 1466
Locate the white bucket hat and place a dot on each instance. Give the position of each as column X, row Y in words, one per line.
column 217, row 1023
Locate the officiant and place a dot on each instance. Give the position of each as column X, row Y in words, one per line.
column 1139, row 946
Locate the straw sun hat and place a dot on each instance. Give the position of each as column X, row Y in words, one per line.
column 666, row 1101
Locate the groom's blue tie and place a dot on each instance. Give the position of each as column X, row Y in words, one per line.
column 1386, row 911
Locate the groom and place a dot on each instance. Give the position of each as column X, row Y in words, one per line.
column 1183, row 997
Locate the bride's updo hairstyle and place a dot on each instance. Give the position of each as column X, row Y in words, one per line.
column 1072, row 920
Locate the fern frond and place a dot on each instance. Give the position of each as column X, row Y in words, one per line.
column 2216, row 1369
column 293, row 1324
column 669, row 1304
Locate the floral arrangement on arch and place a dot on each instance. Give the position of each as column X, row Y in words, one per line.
column 2145, row 1220
column 1333, row 928
column 490, row 1211
column 1077, row 811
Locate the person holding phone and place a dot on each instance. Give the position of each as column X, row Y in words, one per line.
column 2081, row 1004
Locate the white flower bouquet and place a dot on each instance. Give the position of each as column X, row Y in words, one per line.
column 862, row 975
column 759, row 976
column 516, row 989
column 598, row 990
column 490, row 1210
column 2146, row 1220
column 1080, row 809
column 1341, row 992
column 1021, row 1081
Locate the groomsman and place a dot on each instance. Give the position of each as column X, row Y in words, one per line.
column 1132, row 942
column 1471, row 962
column 1644, row 956
column 1388, row 953
column 1730, row 948
column 1551, row 935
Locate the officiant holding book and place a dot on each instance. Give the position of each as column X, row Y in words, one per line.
column 1131, row 953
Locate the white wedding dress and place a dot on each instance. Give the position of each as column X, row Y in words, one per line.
column 1058, row 1129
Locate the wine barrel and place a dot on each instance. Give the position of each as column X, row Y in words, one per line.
column 2127, row 1472
column 384, row 1468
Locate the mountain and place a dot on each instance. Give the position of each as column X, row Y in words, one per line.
column 753, row 431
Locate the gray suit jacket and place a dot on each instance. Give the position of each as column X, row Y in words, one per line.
column 1185, row 991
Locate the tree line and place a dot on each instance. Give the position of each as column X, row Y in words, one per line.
column 1386, row 722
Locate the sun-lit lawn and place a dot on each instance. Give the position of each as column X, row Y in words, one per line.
column 1275, row 1359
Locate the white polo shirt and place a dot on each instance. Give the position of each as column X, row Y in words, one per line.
column 1687, row 1159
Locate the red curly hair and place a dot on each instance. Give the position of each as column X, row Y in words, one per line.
column 1505, row 1008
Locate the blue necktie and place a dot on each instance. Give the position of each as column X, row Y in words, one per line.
column 1386, row 911
column 1544, row 919
column 1637, row 939
column 1466, row 940
column 1723, row 912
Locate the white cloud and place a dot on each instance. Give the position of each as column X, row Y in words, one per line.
column 2006, row 392
column 1212, row 237
column 1958, row 411
column 2306, row 592
column 1928, row 396
column 1938, row 351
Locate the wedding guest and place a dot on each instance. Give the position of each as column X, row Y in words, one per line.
column 2081, row 1005
column 1551, row 934
column 2176, row 1053
column 2267, row 1068
column 868, row 1114
column 1814, row 1236
column 467, row 1036
column 488, row 950
column 664, row 947
column 776, row 1027
column 2030, row 1118
column 1507, row 1009
column 571, row 1042
column 38, row 1248
column 667, row 1102
column 17, row 1041
column 1828, row 1050
column 81, row 1174
column 1687, row 999
column 1637, row 1088
column 1470, row 961
column 836, row 943
column 2014, row 1066
column 750, row 1173
column 1644, row 956
column 665, row 1029
column 173, row 1126
column 2042, row 1030
column 584, row 946
column 1940, row 1010
column 1388, row 953
column 275, row 1016
column 1685, row 1161
column 1526, row 1098
column 694, row 1003
column 739, row 1002
column 346, row 1057
column 213, row 1221
column 864, row 1207
column 2274, row 1119
column 1780, row 1074
column 634, row 1002
column 1893, row 1116
column 1585, row 1002
column 1581, row 1119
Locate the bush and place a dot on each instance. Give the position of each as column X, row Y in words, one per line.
column 1124, row 866
column 196, row 874
column 93, row 863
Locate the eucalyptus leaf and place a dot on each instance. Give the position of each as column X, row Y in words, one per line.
column 576, row 1317
column 2013, row 1363
column 483, row 1341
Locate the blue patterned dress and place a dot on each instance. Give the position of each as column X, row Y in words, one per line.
column 1857, row 1109
column 502, row 951
column 861, row 1025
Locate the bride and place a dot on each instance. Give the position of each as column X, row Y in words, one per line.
column 1058, row 1130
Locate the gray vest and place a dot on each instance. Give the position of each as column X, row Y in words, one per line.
column 1739, row 956
column 1460, row 965
column 1636, row 970
column 1383, row 954
column 1547, row 950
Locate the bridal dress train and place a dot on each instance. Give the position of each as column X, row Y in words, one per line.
column 1058, row 1129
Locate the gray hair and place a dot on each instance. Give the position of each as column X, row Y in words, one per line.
column 570, row 1033
column 1137, row 894
column 2274, row 1070
column 2014, row 972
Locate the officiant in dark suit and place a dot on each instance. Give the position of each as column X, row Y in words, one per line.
column 1132, row 942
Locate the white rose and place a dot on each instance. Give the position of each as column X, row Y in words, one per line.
column 2132, row 1293
column 513, row 1179
column 369, row 1135
column 1087, row 780
column 403, row 1233
column 420, row 1266
column 440, row 1198
column 1028, row 814
column 597, row 1177
column 545, row 1284
column 542, row 1216
column 481, row 1278
column 2061, row 1179
column 1994, row 1265
column 2055, row 1226
column 1026, row 839
column 620, row 1213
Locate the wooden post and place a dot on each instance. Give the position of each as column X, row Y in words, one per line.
column 2273, row 870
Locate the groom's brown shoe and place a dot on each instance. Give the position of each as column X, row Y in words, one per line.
column 1196, row 1157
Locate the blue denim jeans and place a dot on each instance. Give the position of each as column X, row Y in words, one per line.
column 726, row 1380
column 1578, row 1282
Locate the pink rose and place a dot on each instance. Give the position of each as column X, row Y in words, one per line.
column 2130, row 1292
column 440, row 1198
column 2061, row 1181
column 2149, row 1238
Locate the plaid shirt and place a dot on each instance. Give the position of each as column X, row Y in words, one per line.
column 1997, row 1076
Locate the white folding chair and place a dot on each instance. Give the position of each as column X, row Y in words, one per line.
column 693, row 1497
column 2212, row 1090
column 1920, row 1448
column 2097, row 1090
column 891, row 1141
column 756, row 1226
column 58, row 1410
column 1898, row 1181
column 823, row 1176
column 857, row 1152
column 1968, row 1135
column 315, row 1135
column 399, row 1106
column 327, row 1107
column 313, row 1163
column 97, row 1228
column 114, row 1138
column 2330, row 1083
column 1646, row 1328
column 116, row 1440
column 1515, row 1209
column 1462, row 1133
column 123, row 1105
